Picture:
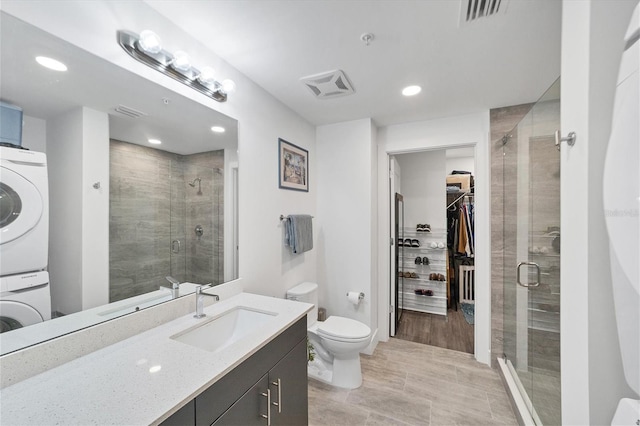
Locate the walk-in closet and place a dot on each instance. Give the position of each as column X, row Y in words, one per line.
column 433, row 282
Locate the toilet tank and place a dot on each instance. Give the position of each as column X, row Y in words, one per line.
column 306, row 292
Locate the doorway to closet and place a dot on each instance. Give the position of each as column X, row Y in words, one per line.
column 432, row 287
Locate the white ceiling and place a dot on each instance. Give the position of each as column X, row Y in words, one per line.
column 505, row 59
column 93, row 82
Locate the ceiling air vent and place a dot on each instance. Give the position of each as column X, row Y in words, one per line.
column 330, row 84
column 130, row 112
column 473, row 10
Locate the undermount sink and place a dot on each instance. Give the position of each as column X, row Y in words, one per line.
column 225, row 329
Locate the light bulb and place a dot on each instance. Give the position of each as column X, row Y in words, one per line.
column 207, row 75
column 155, row 141
column 228, row 86
column 181, row 61
column 217, row 129
column 150, row 42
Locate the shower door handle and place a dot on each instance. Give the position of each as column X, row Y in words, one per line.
column 175, row 246
column 537, row 283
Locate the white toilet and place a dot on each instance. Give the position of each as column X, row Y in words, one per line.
column 337, row 342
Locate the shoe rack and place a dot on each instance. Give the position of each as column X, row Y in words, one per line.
column 425, row 289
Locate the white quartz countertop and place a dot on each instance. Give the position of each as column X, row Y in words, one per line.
column 143, row 379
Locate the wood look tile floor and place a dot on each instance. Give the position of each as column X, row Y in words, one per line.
column 407, row 383
column 450, row 332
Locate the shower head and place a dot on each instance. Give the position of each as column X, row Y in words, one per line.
column 193, row 184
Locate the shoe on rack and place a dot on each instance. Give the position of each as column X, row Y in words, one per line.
column 418, row 260
column 425, row 260
column 419, row 227
column 426, row 228
column 427, row 292
column 415, row 243
column 407, row 242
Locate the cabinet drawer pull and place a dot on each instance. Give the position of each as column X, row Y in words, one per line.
column 279, row 403
column 268, row 415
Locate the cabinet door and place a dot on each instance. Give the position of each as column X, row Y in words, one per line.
column 288, row 385
column 251, row 409
column 184, row 416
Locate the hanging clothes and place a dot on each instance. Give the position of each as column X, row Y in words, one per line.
column 465, row 231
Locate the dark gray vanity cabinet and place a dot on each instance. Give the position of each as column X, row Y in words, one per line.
column 276, row 374
column 279, row 397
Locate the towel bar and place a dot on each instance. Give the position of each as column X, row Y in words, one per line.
column 283, row 217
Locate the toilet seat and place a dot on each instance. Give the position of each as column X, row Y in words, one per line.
column 343, row 329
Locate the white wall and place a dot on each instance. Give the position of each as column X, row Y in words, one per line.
column 64, row 157
column 265, row 265
column 78, row 144
column 345, row 219
column 34, row 134
column 466, row 130
column 423, row 188
column 592, row 376
column 467, row 164
column 95, row 208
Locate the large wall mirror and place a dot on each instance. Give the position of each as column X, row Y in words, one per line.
column 163, row 210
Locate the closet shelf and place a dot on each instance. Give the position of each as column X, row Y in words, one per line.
column 436, row 303
column 425, row 280
column 422, row 248
column 413, row 232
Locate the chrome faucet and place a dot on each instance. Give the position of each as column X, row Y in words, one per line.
column 175, row 286
column 200, row 300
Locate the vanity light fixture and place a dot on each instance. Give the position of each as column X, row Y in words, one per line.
column 155, row 141
column 146, row 47
column 51, row 63
column 411, row 90
column 217, row 129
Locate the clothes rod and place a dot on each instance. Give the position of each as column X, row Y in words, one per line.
column 466, row 194
column 283, row 217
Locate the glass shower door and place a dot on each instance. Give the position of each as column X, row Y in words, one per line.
column 531, row 233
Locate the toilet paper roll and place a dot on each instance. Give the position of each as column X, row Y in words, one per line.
column 354, row 297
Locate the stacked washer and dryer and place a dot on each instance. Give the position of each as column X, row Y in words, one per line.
column 25, row 297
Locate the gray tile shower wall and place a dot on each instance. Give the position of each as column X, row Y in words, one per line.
column 205, row 207
column 151, row 206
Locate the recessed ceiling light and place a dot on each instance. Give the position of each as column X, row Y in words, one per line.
column 411, row 90
column 155, row 369
column 50, row 63
column 155, row 141
column 217, row 129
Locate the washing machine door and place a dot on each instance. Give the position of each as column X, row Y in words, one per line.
column 21, row 205
column 14, row 315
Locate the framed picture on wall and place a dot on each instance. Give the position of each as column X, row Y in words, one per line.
column 293, row 164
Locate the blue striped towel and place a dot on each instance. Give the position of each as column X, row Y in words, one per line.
column 299, row 233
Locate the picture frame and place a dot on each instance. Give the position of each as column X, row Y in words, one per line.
column 293, row 166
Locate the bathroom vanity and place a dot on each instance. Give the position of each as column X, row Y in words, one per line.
column 268, row 388
column 250, row 368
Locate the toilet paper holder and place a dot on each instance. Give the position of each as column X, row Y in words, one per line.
column 360, row 296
